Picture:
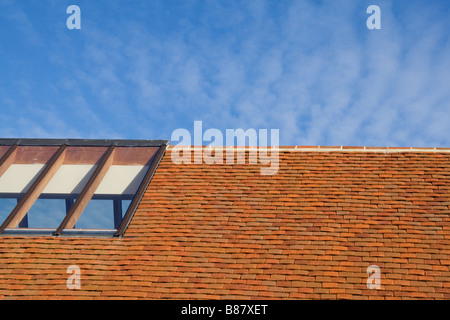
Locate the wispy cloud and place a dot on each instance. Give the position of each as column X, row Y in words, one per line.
column 311, row 69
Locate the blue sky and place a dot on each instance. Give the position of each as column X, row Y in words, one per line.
column 312, row 69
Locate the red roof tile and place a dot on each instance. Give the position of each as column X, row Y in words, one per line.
column 227, row 232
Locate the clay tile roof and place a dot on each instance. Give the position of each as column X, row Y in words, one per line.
column 224, row 231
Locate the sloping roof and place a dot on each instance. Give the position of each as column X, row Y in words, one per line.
column 224, row 231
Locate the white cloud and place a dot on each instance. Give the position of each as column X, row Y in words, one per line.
column 313, row 70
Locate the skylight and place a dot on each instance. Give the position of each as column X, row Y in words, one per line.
column 73, row 187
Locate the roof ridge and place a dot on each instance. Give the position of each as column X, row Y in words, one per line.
column 299, row 148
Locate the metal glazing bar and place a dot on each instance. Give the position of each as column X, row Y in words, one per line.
column 8, row 159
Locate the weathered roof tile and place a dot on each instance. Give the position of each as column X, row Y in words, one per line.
column 226, row 232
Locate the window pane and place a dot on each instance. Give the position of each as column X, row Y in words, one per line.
column 47, row 213
column 6, row 206
column 98, row 214
column 125, row 205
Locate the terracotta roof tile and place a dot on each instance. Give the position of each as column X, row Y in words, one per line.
column 227, row 232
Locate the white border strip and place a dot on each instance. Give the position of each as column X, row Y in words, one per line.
column 320, row 149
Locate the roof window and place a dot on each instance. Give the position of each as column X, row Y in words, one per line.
column 73, row 187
